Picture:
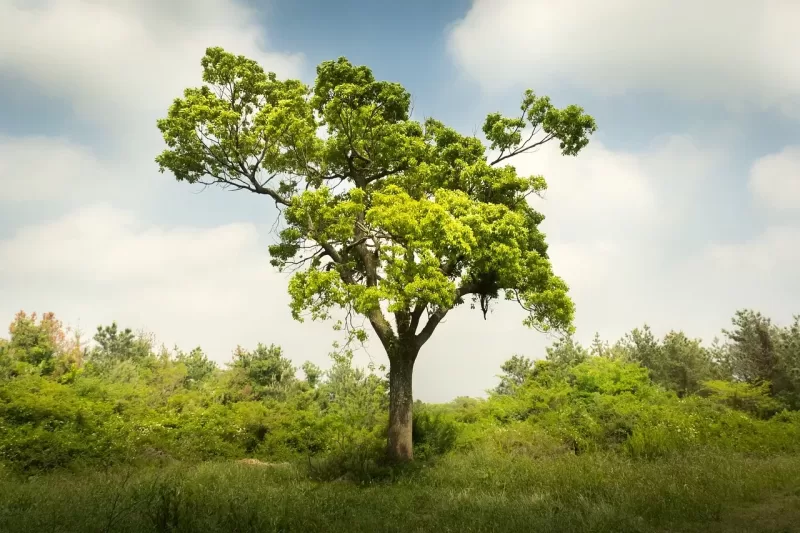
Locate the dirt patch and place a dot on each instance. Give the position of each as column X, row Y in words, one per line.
column 256, row 462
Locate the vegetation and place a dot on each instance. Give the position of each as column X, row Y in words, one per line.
column 394, row 220
column 382, row 213
column 644, row 434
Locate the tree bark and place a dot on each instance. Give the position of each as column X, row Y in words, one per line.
column 401, row 400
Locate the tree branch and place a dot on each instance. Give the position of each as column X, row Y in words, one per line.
column 522, row 149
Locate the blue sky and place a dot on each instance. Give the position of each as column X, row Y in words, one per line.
column 684, row 208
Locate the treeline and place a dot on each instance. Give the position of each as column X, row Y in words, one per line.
column 66, row 404
column 755, row 359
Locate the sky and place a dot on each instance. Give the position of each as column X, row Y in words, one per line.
column 684, row 207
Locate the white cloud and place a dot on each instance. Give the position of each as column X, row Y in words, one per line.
column 741, row 53
column 45, row 169
column 121, row 62
column 756, row 273
column 213, row 287
column 775, row 179
column 621, row 227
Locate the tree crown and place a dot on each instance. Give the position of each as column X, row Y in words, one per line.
column 378, row 208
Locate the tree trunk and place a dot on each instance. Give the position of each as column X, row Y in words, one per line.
column 401, row 370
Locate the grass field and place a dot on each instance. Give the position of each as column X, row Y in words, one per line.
column 708, row 492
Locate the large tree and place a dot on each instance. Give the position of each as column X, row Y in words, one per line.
column 383, row 216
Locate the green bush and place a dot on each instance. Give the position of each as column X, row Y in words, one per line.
column 435, row 432
column 127, row 403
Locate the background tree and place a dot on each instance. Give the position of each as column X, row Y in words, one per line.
column 685, row 364
column 115, row 345
column 515, row 371
column 312, row 372
column 266, row 369
column 789, row 361
column 676, row 362
column 198, row 365
column 385, row 217
column 36, row 342
column 760, row 352
column 566, row 352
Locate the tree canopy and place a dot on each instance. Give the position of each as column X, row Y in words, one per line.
column 382, row 213
column 380, row 208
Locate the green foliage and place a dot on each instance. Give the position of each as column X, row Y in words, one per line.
column 753, row 399
column 312, row 372
column 355, row 403
column 115, row 346
column 515, row 371
column 198, row 366
column 435, row 431
column 605, row 403
column 566, row 352
column 160, row 407
column 266, row 370
column 677, row 362
column 44, row 424
column 480, row 491
column 424, row 205
column 760, row 352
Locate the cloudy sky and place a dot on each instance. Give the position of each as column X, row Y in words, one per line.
column 684, row 208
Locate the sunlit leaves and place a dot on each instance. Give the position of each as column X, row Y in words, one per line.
column 381, row 209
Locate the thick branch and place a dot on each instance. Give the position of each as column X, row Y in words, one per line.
column 232, row 175
column 383, row 329
column 272, row 193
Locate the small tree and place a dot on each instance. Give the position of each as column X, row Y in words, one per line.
column 266, row 369
column 515, row 371
column 198, row 365
column 115, row 345
column 685, row 364
column 35, row 341
column 566, row 352
column 384, row 216
column 758, row 351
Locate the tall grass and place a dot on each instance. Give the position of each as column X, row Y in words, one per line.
column 482, row 490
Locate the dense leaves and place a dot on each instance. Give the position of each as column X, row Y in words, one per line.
column 380, row 208
column 381, row 213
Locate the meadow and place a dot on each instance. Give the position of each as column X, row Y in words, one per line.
column 645, row 434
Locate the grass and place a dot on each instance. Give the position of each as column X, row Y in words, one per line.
column 477, row 491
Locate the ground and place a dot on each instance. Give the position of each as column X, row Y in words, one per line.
column 708, row 492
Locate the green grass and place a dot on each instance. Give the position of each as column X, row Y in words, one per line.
column 477, row 491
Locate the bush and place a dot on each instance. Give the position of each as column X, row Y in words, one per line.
column 434, row 432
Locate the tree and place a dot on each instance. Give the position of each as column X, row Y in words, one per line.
column 685, row 364
column 758, row 351
column 385, row 217
column 789, row 360
column 752, row 347
column 515, row 371
column 566, row 352
column 36, row 343
column 269, row 372
column 312, row 372
column 677, row 362
column 198, row 365
column 115, row 345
